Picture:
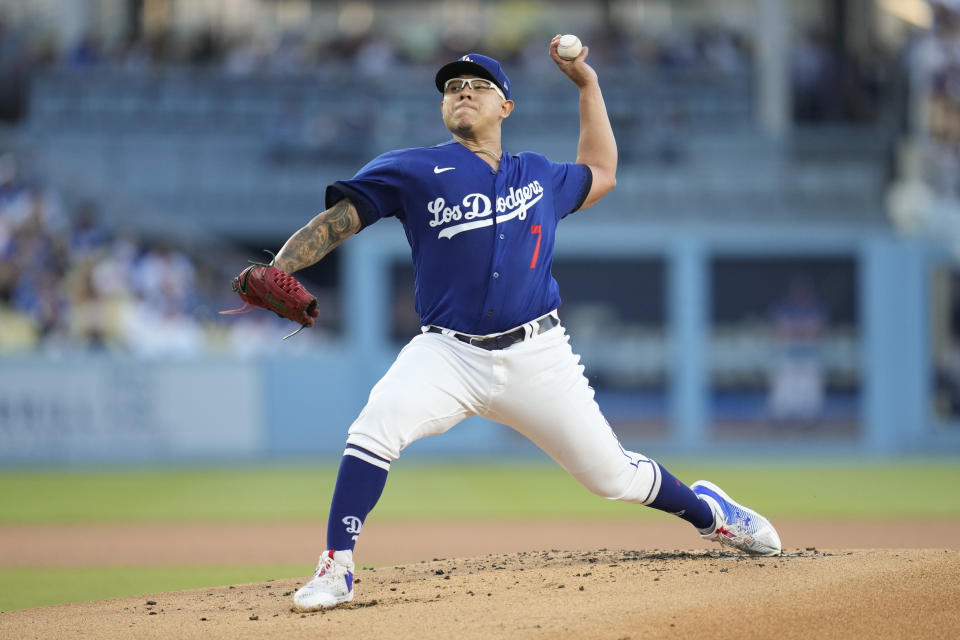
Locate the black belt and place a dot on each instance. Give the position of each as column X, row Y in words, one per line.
column 503, row 340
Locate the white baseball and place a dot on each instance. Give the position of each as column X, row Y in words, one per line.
column 569, row 47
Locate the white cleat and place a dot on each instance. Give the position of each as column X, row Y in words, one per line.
column 332, row 583
column 735, row 525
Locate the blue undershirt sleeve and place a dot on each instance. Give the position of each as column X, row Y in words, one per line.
column 375, row 191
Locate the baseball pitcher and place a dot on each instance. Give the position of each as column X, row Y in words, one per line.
column 481, row 222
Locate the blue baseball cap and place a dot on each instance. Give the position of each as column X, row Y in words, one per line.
column 476, row 65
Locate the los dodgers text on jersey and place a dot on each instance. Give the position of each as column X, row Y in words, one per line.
column 477, row 205
column 473, row 231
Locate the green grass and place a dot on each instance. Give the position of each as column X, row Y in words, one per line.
column 466, row 492
column 23, row 588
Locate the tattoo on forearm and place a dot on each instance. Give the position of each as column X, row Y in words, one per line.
column 315, row 240
column 341, row 218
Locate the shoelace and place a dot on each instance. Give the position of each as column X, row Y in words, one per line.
column 745, row 521
column 329, row 568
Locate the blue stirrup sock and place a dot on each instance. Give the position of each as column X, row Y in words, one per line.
column 680, row 500
column 360, row 482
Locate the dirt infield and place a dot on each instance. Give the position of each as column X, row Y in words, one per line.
column 558, row 594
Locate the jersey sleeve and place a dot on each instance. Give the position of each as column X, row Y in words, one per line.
column 571, row 185
column 374, row 191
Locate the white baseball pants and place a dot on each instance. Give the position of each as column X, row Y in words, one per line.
column 536, row 387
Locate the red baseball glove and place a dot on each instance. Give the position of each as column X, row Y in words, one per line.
column 264, row 285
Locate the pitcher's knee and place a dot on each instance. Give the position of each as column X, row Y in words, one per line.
column 377, row 431
column 376, row 444
column 630, row 483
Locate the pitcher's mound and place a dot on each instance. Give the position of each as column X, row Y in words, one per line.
column 561, row 594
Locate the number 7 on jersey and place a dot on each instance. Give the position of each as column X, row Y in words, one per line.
column 535, row 230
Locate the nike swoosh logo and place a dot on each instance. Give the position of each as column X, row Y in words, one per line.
column 437, row 169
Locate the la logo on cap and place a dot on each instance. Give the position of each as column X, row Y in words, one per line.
column 466, row 59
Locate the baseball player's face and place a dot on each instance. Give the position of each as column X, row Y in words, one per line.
column 471, row 111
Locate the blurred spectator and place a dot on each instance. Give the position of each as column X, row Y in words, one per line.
column 14, row 65
column 809, row 74
column 204, row 49
column 87, row 236
column 90, row 320
column 111, row 276
column 39, row 297
column 832, row 84
column 288, row 56
column 36, row 206
column 134, row 56
column 938, row 63
column 724, row 51
column 925, row 196
column 36, row 244
column 164, row 278
column 11, row 189
column 796, row 389
column 376, row 58
column 244, row 57
column 85, row 53
column 33, row 259
column 947, row 355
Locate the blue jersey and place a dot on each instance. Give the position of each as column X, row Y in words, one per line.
column 482, row 240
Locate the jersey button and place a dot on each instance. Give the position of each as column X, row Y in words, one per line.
column 496, row 274
column 501, row 236
column 490, row 313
